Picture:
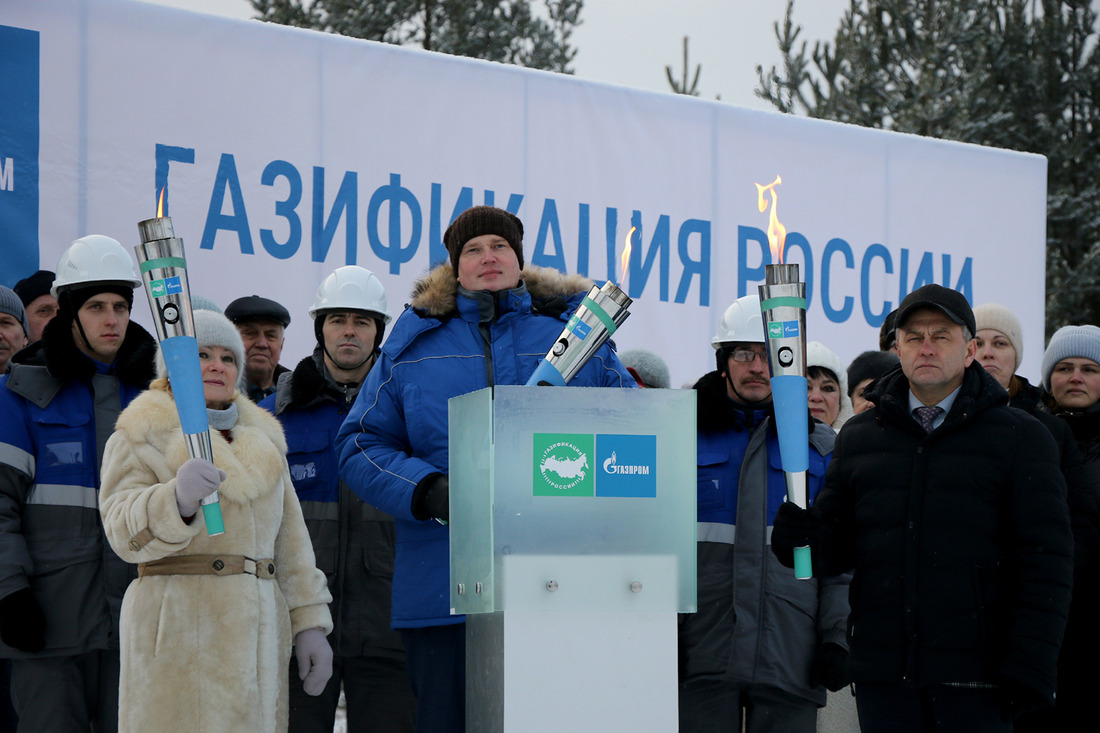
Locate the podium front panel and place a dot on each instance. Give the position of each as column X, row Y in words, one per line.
column 573, row 498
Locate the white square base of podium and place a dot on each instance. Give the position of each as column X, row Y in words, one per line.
column 576, row 671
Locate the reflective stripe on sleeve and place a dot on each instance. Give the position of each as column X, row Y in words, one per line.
column 323, row 510
column 17, row 458
column 64, row 495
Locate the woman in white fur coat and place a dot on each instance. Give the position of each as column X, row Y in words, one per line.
column 206, row 628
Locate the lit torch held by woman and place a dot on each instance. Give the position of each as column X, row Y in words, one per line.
column 206, row 629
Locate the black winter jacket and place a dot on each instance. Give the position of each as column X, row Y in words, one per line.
column 1078, row 437
column 959, row 540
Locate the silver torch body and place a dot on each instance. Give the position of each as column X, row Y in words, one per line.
column 598, row 316
column 164, row 272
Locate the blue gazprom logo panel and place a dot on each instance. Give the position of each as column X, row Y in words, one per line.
column 19, row 138
column 627, row 465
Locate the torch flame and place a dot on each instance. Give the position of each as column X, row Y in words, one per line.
column 624, row 263
column 777, row 233
column 160, row 203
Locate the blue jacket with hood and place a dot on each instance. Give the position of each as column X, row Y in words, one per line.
column 449, row 342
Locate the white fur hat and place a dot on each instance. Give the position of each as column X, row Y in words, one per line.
column 819, row 355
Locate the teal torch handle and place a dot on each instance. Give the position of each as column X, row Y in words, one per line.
column 803, row 567
column 215, row 525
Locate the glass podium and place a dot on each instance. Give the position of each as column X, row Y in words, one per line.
column 572, row 550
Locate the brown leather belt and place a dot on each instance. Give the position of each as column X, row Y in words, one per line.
column 208, row 565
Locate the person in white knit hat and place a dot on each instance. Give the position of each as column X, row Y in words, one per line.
column 828, row 386
column 999, row 341
column 1001, row 349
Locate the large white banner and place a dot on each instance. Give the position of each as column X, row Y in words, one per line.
column 288, row 153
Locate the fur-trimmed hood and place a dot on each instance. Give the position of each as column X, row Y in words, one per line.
column 435, row 294
column 256, row 457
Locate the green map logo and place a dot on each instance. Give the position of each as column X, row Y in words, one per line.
column 563, row 464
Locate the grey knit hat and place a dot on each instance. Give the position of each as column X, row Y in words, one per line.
column 13, row 306
column 999, row 318
column 213, row 329
column 474, row 222
column 649, row 367
column 1068, row 342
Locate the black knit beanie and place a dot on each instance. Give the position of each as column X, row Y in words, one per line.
column 34, row 286
column 869, row 365
column 480, row 220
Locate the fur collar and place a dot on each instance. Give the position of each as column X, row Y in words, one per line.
column 254, row 462
column 434, row 295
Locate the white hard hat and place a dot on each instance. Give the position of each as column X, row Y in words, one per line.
column 351, row 288
column 94, row 259
column 742, row 323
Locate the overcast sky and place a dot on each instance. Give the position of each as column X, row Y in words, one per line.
column 629, row 42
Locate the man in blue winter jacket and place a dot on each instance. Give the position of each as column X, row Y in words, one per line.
column 763, row 646
column 61, row 585
column 480, row 320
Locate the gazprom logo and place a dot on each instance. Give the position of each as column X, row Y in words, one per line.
column 628, row 465
column 579, row 327
column 782, row 329
column 611, row 465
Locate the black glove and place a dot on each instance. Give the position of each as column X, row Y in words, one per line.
column 1017, row 699
column 830, row 667
column 431, row 498
column 22, row 625
column 794, row 527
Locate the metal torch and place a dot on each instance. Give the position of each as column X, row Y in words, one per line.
column 164, row 272
column 783, row 305
column 598, row 316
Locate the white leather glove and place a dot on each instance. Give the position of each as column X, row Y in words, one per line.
column 314, row 657
column 195, row 480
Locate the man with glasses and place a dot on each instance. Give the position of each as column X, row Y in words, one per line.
column 763, row 647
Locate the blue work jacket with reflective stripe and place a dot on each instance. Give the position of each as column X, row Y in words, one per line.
column 51, row 536
column 352, row 541
column 756, row 623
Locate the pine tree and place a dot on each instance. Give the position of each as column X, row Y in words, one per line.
column 1017, row 74
column 682, row 86
column 509, row 31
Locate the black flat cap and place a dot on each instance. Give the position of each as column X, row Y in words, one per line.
column 951, row 302
column 255, row 308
